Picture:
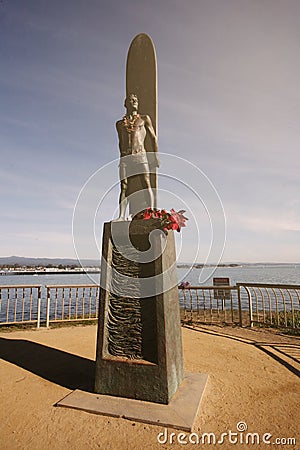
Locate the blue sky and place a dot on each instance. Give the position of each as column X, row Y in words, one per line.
column 229, row 103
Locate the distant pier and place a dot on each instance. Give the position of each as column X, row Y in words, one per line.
column 48, row 272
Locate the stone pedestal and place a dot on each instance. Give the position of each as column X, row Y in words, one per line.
column 139, row 348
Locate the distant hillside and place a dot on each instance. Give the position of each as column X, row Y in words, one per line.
column 23, row 261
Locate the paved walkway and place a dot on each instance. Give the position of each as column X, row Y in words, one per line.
column 253, row 378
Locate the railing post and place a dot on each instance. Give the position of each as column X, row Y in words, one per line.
column 39, row 309
column 240, row 306
column 250, row 306
column 48, row 307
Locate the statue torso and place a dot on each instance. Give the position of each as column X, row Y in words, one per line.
column 132, row 134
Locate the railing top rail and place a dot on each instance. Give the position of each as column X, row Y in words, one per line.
column 220, row 288
column 68, row 286
column 268, row 285
column 60, row 286
column 19, row 286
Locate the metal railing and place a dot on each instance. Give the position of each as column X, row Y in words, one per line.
column 273, row 304
column 246, row 304
column 207, row 304
column 71, row 303
column 20, row 304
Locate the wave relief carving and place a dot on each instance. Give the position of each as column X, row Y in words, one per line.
column 124, row 322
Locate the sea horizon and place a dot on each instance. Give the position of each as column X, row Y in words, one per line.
column 28, row 260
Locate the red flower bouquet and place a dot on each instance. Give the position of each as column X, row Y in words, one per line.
column 172, row 220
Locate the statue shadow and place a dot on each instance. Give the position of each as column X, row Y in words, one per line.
column 59, row 367
column 284, row 354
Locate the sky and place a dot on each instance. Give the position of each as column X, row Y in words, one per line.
column 228, row 105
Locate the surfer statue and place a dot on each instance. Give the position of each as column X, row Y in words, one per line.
column 135, row 164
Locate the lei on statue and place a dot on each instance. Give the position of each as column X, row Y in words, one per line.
column 172, row 220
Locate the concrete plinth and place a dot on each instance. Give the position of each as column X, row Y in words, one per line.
column 180, row 413
column 139, row 348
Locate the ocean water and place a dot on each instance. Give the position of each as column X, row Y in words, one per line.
column 277, row 274
column 47, row 280
column 273, row 274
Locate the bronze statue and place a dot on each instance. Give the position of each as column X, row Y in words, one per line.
column 139, row 351
column 135, row 166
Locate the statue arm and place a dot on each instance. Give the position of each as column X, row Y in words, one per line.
column 150, row 130
column 118, row 127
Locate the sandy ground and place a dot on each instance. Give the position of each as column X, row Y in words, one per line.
column 253, row 378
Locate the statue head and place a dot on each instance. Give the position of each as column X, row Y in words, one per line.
column 131, row 102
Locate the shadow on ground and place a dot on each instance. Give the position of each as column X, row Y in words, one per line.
column 67, row 370
column 284, row 354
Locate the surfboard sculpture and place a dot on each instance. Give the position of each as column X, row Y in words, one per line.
column 141, row 79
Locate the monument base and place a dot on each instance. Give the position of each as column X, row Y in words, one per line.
column 139, row 349
column 180, row 413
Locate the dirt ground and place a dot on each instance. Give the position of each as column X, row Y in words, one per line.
column 253, row 378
